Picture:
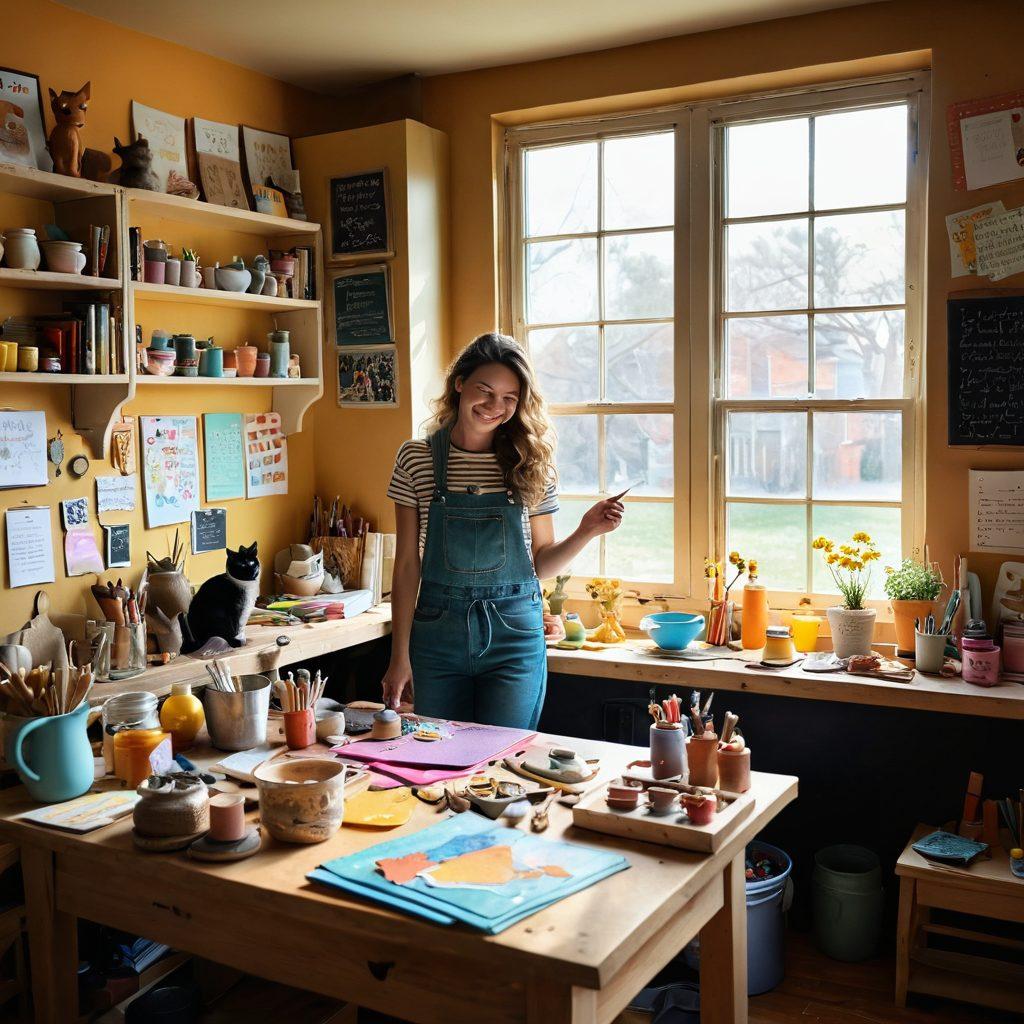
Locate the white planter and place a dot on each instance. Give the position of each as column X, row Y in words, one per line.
column 852, row 630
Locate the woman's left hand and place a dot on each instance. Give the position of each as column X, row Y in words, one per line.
column 603, row 517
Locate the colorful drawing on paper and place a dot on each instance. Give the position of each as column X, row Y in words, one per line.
column 368, row 377
column 74, row 512
column 170, row 462
column 266, row 455
column 22, row 128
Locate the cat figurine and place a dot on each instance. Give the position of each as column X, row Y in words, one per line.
column 222, row 604
column 136, row 170
column 65, row 143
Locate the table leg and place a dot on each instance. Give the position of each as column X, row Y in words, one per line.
column 904, row 938
column 548, row 1003
column 723, row 953
column 52, row 942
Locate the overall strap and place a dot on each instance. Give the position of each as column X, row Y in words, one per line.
column 439, row 457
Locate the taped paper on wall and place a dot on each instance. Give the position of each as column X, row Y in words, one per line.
column 963, row 252
column 997, row 511
column 29, row 545
column 1000, row 245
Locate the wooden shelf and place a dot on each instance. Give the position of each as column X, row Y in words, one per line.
column 216, row 297
column 32, row 183
column 232, row 382
column 45, row 280
column 66, row 378
column 227, row 218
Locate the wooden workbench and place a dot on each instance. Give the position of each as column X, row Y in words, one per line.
column 260, row 654
column 925, row 693
column 579, row 961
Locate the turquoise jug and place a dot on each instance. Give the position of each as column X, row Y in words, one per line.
column 53, row 755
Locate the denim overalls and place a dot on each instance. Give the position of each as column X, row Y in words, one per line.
column 477, row 643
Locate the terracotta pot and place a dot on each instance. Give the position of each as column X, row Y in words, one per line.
column 852, row 630
column 734, row 770
column 246, row 357
column 903, row 615
column 299, row 729
column 230, row 360
column 702, row 758
column 262, row 365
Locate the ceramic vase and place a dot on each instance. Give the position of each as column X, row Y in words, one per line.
column 280, row 353
column 189, row 274
column 186, row 360
column 211, row 362
column 246, row 358
column 903, row 615
column 852, row 630
column 22, row 249
column 262, row 365
column 668, row 752
column 172, row 273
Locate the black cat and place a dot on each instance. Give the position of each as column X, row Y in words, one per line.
column 136, row 170
column 222, row 604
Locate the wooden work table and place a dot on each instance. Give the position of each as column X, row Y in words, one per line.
column 579, row 961
column 925, row 693
column 260, row 654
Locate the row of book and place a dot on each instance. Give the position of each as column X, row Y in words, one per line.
column 85, row 338
column 303, row 284
column 96, row 248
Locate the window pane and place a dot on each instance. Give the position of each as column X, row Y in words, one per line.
column 860, row 158
column 766, row 357
column 766, row 265
column 638, row 452
column 859, row 355
column 766, row 454
column 561, row 189
column 561, row 281
column 638, row 362
column 774, row 535
column 565, row 359
column 859, row 259
column 576, row 454
column 639, row 191
column 840, row 522
column 638, row 275
column 767, row 168
column 641, row 548
column 858, row 455
column 567, row 518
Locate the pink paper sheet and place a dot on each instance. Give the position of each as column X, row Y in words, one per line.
column 469, row 745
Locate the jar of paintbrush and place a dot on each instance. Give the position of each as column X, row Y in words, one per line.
column 298, row 703
column 668, row 741
column 125, row 628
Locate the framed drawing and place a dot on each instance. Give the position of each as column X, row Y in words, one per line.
column 165, row 134
column 219, row 160
column 358, row 207
column 22, row 127
column 368, row 377
column 266, row 155
column 360, row 305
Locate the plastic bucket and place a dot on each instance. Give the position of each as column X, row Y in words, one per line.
column 765, row 923
column 847, row 903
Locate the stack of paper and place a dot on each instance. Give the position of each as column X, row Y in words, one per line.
column 468, row 869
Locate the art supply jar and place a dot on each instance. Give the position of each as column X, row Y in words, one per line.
column 734, row 770
column 132, row 750
column 182, row 716
column 754, row 625
column 702, row 757
column 280, row 352
column 668, row 751
column 127, row 712
column 805, row 632
column 980, row 661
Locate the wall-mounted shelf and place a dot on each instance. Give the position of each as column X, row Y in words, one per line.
column 44, row 280
column 145, row 205
column 231, row 382
column 65, row 378
column 215, row 297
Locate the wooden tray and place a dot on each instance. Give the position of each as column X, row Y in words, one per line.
column 592, row 812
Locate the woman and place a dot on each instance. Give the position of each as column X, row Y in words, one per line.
column 473, row 504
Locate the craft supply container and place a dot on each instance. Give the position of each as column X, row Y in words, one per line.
column 246, row 360
column 299, row 728
column 238, row 721
column 734, row 770
column 929, row 651
column 53, row 755
column 702, row 757
column 134, row 710
column 22, row 252
column 668, row 751
column 980, row 662
column 302, row 800
column 175, row 809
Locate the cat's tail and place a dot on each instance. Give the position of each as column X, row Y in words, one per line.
column 188, row 640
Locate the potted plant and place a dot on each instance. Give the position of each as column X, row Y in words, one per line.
column 912, row 589
column 852, row 624
column 189, row 268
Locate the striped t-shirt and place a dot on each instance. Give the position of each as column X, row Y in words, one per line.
column 412, row 482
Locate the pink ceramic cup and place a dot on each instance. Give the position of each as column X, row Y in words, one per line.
column 660, row 799
column 227, row 817
column 700, row 809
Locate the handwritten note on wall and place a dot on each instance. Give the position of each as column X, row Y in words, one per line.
column 1000, row 244
column 997, row 511
column 22, row 448
column 29, row 546
column 115, row 493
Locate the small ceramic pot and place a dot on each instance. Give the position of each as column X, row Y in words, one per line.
column 185, row 358
column 283, row 266
column 980, row 661
column 154, row 272
column 661, row 800
column 280, row 354
column 227, row 817
column 929, row 652
column 230, row 361
column 179, row 808
column 63, row 257
column 50, row 364
column 330, row 723
column 159, row 342
column 262, row 365
column 189, row 277
column 210, row 278
column 668, row 751
column 302, row 800
column 211, row 362
column 270, row 285
column 852, row 630
column 702, row 756
column 734, row 770
column 623, row 795
column 700, row 809
column 299, row 728
column 22, row 249
column 28, row 359
column 172, row 275
column 231, row 280
column 246, row 357
column 159, row 362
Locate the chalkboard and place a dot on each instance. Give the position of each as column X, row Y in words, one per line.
column 986, row 370
column 119, row 545
column 359, row 215
column 209, row 530
column 362, row 306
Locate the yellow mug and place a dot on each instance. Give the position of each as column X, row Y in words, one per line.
column 28, row 359
column 10, row 350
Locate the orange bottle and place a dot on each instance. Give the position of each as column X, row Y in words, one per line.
column 754, row 629
column 182, row 716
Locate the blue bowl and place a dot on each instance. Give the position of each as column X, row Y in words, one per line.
column 672, row 631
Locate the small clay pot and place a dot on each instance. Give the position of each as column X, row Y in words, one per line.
column 262, row 365
column 28, row 358
column 702, row 757
column 700, row 809
column 176, row 809
column 299, row 728
column 246, row 357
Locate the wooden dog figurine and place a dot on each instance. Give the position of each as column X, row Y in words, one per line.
column 65, row 144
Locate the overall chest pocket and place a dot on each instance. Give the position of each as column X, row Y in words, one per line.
column 474, row 543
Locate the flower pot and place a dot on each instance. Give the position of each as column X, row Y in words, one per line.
column 852, row 630
column 246, row 357
column 903, row 615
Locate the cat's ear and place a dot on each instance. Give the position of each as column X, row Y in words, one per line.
column 251, row 549
column 53, row 96
column 117, row 142
column 85, row 93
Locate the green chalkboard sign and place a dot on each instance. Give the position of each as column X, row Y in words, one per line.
column 361, row 305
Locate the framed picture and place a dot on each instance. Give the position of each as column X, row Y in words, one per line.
column 22, row 125
column 165, row 134
column 360, row 225
column 266, row 155
column 368, row 377
column 219, row 161
column 360, row 305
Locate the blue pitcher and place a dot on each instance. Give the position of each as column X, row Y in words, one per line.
column 56, row 763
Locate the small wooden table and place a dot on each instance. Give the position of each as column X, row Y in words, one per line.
column 984, row 889
column 579, row 961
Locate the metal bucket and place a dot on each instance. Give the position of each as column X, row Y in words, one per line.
column 238, row 721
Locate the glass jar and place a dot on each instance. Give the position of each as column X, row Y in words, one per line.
column 135, row 710
column 132, row 749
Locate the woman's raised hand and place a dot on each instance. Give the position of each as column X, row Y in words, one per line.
column 604, row 516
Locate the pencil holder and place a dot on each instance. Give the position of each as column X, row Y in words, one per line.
column 929, row 651
column 127, row 651
column 238, row 721
column 734, row 770
column 668, row 751
column 299, row 728
column 702, row 756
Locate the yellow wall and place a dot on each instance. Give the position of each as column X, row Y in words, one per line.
column 65, row 49
column 973, row 50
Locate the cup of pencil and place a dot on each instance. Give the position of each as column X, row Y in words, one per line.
column 298, row 704
column 236, row 708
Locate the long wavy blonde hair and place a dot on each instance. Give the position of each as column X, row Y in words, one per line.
column 525, row 444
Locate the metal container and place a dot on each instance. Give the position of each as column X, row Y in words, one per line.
column 238, row 721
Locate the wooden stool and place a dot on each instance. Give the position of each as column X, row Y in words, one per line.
column 985, row 889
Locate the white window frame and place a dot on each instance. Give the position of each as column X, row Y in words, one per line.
column 698, row 405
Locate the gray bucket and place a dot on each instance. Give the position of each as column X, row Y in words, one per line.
column 238, row 721
column 848, row 900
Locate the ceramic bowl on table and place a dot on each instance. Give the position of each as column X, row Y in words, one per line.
column 672, row 631
column 302, row 800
